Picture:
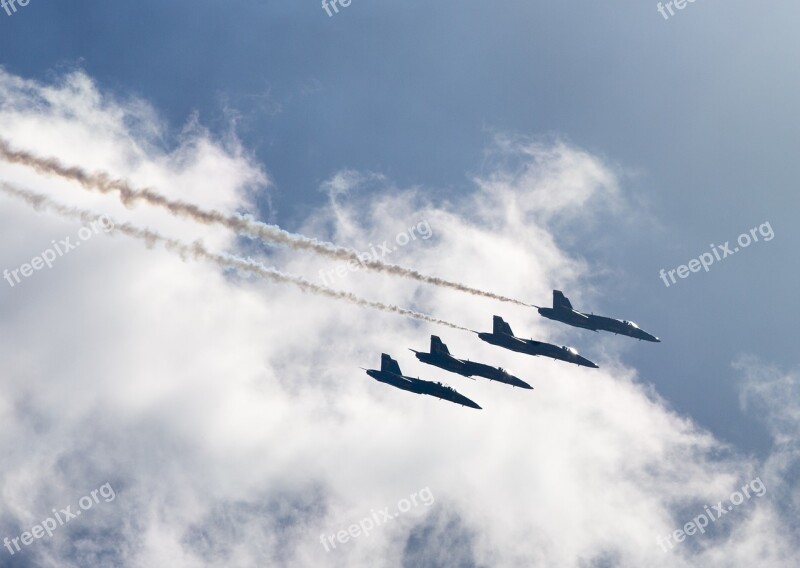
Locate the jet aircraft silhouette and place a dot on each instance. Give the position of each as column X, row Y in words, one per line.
column 502, row 336
column 390, row 374
column 563, row 311
column 440, row 357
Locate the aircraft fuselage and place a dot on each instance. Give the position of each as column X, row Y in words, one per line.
column 532, row 347
column 470, row 369
column 446, row 362
column 420, row 386
column 597, row 323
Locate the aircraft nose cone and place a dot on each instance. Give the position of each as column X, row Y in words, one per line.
column 521, row 384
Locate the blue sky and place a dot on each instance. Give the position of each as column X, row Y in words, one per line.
column 695, row 116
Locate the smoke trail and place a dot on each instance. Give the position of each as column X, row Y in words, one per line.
column 198, row 251
column 271, row 234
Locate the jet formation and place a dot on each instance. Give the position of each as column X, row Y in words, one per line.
column 502, row 336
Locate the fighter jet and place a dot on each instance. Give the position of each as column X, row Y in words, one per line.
column 391, row 375
column 440, row 357
column 502, row 336
column 562, row 311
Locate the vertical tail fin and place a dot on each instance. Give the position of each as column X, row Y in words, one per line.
column 561, row 301
column 500, row 326
column 389, row 365
column 437, row 346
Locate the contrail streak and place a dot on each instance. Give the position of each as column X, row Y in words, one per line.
column 270, row 234
column 198, row 251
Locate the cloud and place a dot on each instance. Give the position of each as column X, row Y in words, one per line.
column 232, row 419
